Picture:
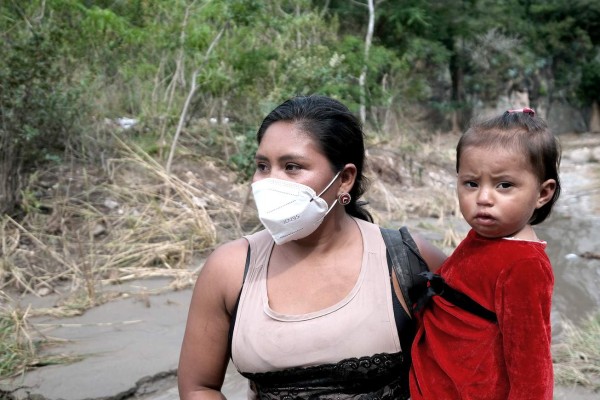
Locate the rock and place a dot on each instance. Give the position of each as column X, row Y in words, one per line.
column 596, row 154
column 98, row 230
column 110, row 204
column 581, row 156
column 562, row 117
column 43, row 291
column 126, row 123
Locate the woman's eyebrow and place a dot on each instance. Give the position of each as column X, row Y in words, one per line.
column 259, row 157
column 283, row 158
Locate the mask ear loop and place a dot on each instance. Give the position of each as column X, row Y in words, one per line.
column 324, row 190
column 329, row 185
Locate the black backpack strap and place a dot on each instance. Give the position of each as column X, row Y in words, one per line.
column 417, row 283
column 237, row 302
column 417, row 266
column 439, row 287
column 407, row 264
column 405, row 261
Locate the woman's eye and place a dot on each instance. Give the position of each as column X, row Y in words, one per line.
column 261, row 166
column 292, row 167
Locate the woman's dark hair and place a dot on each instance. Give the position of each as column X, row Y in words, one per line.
column 525, row 132
column 338, row 133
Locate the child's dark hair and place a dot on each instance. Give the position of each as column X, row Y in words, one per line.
column 524, row 131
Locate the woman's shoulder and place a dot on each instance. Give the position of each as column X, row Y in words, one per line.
column 228, row 256
column 223, row 270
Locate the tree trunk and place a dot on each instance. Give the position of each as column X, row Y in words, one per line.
column 10, row 171
column 457, row 96
column 457, row 76
column 362, row 81
column 595, row 118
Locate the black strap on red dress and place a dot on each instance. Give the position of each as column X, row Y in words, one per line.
column 437, row 286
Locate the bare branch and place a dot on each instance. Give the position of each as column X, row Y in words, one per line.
column 363, row 75
column 189, row 100
column 358, row 3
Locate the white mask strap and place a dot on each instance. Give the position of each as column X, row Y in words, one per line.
column 324, row 190
column 330, row 183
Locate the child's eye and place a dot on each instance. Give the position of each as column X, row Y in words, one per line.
column 505, row 185
column 470, row 184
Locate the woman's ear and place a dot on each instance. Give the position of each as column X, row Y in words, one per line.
column 348, row 177
column 547, row 189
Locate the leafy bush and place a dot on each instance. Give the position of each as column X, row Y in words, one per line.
column 38, row 110
column 243, row 160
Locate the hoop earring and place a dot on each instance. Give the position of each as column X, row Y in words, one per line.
column 344, row 199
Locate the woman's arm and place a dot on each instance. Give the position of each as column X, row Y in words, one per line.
column 433, row 256
column 204, row 352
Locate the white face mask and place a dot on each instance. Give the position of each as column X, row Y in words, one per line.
column 289, row 210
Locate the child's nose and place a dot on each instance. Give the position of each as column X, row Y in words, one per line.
column 484, row 196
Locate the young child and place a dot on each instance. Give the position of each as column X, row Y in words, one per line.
column 485, row 332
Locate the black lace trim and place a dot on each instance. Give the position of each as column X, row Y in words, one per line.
column 382, row 376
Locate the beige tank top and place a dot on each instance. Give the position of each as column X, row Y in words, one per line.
column 362, row 324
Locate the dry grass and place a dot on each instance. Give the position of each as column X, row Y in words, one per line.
column 134, row 222
column 20, row 342
column 412, row 182
column 577, row 358
column 85, row 231
column 16, row 347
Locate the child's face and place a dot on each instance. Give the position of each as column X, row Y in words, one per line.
column 498, row 191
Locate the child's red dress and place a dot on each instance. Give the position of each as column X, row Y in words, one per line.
column 458, row 355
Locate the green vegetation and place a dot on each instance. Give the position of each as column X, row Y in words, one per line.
column 85, row 201
column 16, row 350
column 68, row 65
column 19, row 351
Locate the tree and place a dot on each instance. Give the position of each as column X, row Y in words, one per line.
column 37, row 110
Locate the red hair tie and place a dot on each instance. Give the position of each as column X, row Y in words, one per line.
column 525, row 110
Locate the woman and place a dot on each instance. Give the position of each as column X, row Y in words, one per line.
column 306, row 307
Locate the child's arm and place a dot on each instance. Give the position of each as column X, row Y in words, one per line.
column 523, row 304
